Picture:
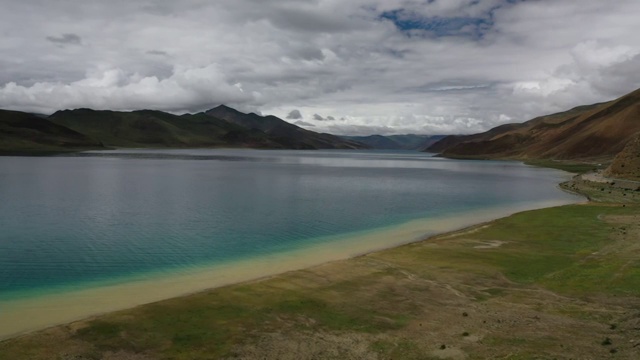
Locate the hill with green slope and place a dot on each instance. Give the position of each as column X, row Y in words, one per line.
column 23, row 132
column 144, row 128
column 91, row 129
column 291, row 136
column 149, row 128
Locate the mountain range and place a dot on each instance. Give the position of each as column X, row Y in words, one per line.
column 603, row 132
column 81, row 129
column 288, row 135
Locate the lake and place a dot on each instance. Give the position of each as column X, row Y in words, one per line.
column 95, row 219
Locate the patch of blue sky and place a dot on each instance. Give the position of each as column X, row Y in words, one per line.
column 412, row 22
column 439, row 26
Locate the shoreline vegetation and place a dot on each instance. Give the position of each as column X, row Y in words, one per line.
column 560, row 282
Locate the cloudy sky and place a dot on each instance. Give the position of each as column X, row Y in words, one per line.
column 345, row 67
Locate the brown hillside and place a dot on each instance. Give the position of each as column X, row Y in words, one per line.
column 585, row 132
column 454, row 140
column 626, row 164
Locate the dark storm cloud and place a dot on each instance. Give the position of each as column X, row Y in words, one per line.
column 157, row 52
column 65, row 39
column 294, row 114
column 310, row 54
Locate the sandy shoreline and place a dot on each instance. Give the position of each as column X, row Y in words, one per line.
column 26, row 315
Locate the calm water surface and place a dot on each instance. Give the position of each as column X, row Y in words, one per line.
column 70, row 220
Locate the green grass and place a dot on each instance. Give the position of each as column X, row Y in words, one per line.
column 209, row 324
column 553, row 248
column 569, row 166
column 549, row 247
column 603, row 192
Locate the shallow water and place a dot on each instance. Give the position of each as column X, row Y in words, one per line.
column 69, row 222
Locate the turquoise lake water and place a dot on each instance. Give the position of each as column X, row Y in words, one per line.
column 76, row 219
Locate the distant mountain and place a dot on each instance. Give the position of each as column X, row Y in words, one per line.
column 289, row 135
column 397, row 142
column 598, row 131
column 375, row 141
column 416, row 142
column 23, row 132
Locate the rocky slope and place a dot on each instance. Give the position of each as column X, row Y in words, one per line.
column 626, row 164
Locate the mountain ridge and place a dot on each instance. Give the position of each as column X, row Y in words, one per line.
column 292, row 135
column 24, row 132
column 86, row 128
column 588, row 132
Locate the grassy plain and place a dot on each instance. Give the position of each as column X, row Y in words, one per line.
column 556, row 283
column 569, row 166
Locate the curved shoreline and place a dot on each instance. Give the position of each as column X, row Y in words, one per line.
column 28, row 315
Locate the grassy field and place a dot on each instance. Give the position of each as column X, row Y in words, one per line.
column 557, row 283
column 569, row 166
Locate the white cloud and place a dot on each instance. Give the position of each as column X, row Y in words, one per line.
column 191, row 88
column 596, row 72
column 322, row 57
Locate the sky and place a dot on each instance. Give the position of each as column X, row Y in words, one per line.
column 355, row 67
